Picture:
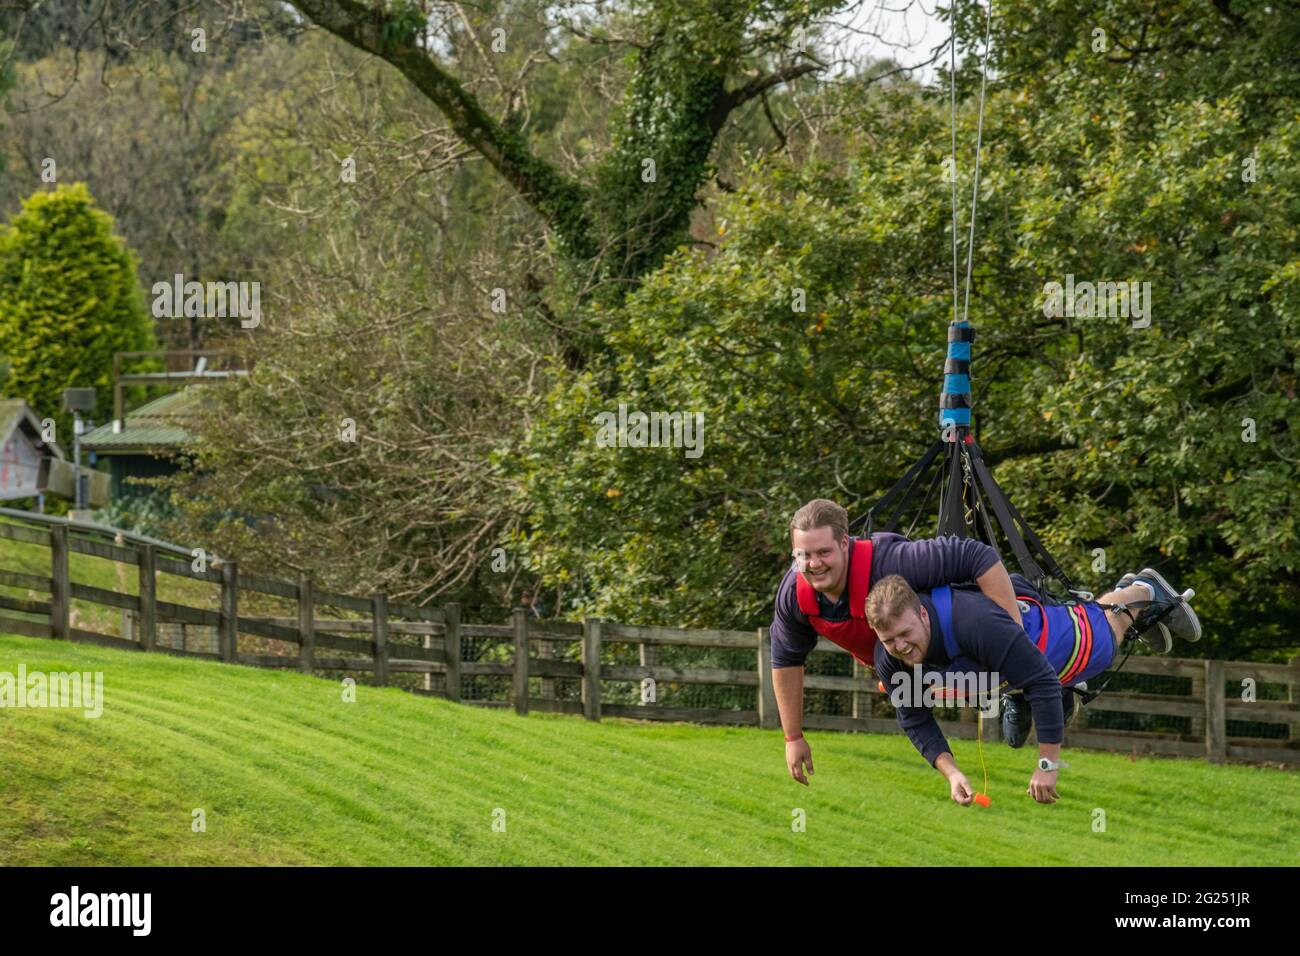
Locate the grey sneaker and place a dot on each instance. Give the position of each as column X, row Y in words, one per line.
column 1182, row 620
column 1157, row 638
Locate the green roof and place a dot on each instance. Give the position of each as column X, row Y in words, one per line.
column 156, row 425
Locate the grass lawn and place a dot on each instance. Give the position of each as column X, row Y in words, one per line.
column 286, row 772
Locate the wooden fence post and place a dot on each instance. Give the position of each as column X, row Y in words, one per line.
column 768, row 716
column 649, row 658
column 60, row 601
column 306, row 624
column 861, row 703
column 229, row 611
column 546, row 651
column 591, row 669
column 452, row 643
column 520, row 621
column 426, row 641
column 148, row 598
column 1197, row 723
column 1216, row 730
column 379, row 605
column 1293, row 695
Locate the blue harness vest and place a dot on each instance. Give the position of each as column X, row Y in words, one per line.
column 1074, row 638
column 942, row 598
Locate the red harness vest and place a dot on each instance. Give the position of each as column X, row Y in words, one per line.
column 854, row 635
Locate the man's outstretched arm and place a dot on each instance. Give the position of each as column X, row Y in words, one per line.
column 926, row 736
column 787, row 682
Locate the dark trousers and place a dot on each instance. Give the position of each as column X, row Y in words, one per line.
column 1017, row 720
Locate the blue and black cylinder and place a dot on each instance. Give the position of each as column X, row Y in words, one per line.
column 955, row 399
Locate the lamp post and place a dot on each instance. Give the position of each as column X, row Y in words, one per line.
column 78, row 400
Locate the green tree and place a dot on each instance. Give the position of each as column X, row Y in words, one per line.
column 6, row 77
column 69, row 299
column 1132, row 440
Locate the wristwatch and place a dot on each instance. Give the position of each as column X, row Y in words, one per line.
column 1047, row 766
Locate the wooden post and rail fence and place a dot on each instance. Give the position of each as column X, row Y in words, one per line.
column 390, row 638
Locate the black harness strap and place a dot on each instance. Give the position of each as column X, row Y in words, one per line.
column 952, row 519
column 981, row 510
column 1002, row 509
column 905, row 485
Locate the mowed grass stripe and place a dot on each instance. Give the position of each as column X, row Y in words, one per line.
column 341, row 781
column 327, row 779
column 517, row 762
column 220, row 701
column 150, row 729
column 86, row 805
column 526, row 760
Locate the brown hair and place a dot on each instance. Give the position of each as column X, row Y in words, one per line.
column 890, row 597
column 821, row 513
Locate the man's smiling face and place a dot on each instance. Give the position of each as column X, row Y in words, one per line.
column 827, row 560
column 907, row 636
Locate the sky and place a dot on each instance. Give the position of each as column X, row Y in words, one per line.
column 907, row 30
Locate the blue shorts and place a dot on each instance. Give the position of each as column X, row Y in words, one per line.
column 1080, row 644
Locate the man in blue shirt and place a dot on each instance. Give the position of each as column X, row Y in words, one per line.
column 960, row 634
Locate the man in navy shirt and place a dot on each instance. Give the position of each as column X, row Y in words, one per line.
column 959, row 635
column 825, row 592
column 982, row 640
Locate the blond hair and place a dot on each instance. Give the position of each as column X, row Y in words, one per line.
column 821, row 513
column 889, row 598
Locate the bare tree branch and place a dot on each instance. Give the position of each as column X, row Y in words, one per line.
column 757, row 87
column 558, row 199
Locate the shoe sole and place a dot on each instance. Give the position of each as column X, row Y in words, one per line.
column 1149, row 639
column 1183, row 613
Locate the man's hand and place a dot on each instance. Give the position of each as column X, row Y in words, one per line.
column 1042, row 786
column 958, row 785
column 798, row 753
column 960, row 788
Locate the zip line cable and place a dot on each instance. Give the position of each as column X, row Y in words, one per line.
column 952, row 89
column 979, row 142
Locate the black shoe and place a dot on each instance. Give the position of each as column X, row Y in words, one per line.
column 1070, row 703
column 1157, row 638
column 1017, row 718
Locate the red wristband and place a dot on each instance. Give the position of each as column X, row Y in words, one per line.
column 789, row 739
